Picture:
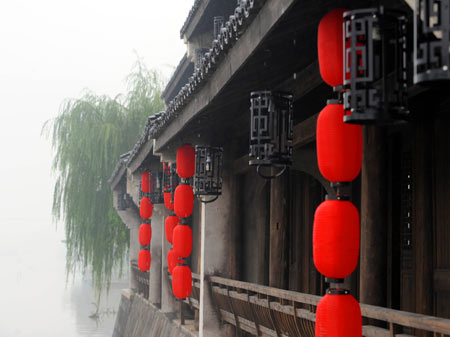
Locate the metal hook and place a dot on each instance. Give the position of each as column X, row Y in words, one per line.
column 258, row 170
column 208, row 201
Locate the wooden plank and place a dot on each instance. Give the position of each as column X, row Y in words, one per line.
column 269, row 15
column 374, row 331
column 285, row 294
column 441, row 278
column 406, row 319
column 305, row 132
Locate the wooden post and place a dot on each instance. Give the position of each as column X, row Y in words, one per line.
column 422, row 213
column 182, row 312
column 278, row 226
column 373, row 217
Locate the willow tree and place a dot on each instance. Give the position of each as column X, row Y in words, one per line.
column 88, row 136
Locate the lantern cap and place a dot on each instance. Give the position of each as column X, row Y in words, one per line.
column 338, row 291
column 335, row 101
column 337, row 197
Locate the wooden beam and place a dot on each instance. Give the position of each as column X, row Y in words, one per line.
column 373, row 260
column 247, row 44
column 303, row 82
column 422, row 212
column 305, row 132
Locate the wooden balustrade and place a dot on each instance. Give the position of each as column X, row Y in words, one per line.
column 266, row 311
column 142, row 279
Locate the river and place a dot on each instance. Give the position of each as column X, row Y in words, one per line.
column 36, row 300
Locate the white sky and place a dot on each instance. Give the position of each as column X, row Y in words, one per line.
column 51, row 50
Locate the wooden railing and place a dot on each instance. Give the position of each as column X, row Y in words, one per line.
column 194, row 300
column 142, row 278
column 272, row 312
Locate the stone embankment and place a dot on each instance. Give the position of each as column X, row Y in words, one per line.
column 137, row 317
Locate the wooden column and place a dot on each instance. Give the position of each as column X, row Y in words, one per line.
column 278, row 237
column 373, row 260
column 422, row 213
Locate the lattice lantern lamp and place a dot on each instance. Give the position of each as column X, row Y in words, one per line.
column 271, row 133
column 208, row 172
column 375, row 56
column 431, row 41
column 156, row 194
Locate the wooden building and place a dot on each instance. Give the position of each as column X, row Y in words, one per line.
column 253, row 270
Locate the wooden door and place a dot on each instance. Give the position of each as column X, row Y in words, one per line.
column 441, row 205
column 305, row 195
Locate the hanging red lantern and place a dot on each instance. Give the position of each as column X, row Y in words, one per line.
column 173, row 260
column 144, row 260
column 168, row 201
column 145, row 234
column 336, row 238
column 184, row 201
column 146, row 208
column 339, row 145
column 145, row 182
column 171, row 222
column 186, row 161
column 182, row 282
column 330, row 47
column 338, row 316
column 182, row 240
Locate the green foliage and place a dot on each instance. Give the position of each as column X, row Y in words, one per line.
column 88, row 136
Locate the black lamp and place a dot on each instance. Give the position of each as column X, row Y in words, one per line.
column 431, row 41
column 208, row 172
column 271, row 131
column 375, row 57
column 156, row 187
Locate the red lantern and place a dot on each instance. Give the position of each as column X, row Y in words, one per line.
column 144, row 260
column 186, row 161
column 330, row 47
column 171, row 222
column 146, row 208
column 173, row 260
column 167, row 200
column 145, row 182
column 184, row 201
column 145, row 234
column 182, row 282
column 339, row 145
column 338, row 316
column 336, row 238
column 182, row 240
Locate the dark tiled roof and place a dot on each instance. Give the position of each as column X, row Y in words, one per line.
column 121, row 163
column 177, row 70
column 229, row 34
column 191, row 14
column 128, row 157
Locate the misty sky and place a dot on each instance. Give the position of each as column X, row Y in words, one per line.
column 51, row 50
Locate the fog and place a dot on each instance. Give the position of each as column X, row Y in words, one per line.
column 49, row 51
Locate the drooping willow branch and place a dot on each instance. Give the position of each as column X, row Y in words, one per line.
column 88, row 136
